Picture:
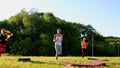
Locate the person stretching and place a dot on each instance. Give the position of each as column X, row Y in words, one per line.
column 4, row 36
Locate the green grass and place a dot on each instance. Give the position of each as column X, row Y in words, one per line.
column 50, row 62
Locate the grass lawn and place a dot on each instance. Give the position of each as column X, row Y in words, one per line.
column 50, row 62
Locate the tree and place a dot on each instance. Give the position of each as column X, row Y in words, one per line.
column 34, row 31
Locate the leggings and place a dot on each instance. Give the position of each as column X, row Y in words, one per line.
column 58, row 49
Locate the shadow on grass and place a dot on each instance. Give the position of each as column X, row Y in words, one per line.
column 114, row 63
column 39, row 62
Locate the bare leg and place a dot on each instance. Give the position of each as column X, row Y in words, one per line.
column 82, row 53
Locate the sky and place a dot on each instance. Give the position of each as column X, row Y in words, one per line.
column 103, row 15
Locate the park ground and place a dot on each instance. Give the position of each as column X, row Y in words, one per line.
column 7, row 61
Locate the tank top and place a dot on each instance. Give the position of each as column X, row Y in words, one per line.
column 59, row 40
column 84, row 45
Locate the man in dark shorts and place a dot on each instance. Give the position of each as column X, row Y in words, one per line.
column 84, row 45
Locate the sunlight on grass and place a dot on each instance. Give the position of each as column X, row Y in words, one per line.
column 50, row 62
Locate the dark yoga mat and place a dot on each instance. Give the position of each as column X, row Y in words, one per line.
column 97, row 59
column 24, row 59
column 92, row 59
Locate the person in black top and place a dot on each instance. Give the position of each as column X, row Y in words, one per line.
column 4, row 36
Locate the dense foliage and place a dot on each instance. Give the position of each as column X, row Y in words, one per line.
column 115, row 43
column 33, row 35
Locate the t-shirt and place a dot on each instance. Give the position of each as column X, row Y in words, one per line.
column 2, row 39
column 59, row 39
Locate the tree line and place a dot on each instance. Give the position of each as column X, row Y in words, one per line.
column 33, row 35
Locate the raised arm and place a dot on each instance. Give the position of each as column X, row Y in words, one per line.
column 8, row 35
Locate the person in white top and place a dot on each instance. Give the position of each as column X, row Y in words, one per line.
column 58, row 38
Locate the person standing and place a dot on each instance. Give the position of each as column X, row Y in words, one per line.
column 58, row 38
column 4, row 36
column 84, row 45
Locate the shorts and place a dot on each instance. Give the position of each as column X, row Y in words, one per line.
column 2, row 48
